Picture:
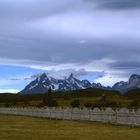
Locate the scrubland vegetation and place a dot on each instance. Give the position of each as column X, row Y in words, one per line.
column 80, row 98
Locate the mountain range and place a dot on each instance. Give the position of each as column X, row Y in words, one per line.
column 132, row 83
column 42, row 83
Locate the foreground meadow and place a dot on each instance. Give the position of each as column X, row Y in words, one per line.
column 28, row 128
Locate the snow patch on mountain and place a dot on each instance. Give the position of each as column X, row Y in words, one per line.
column 44, row 82
column 132, row 83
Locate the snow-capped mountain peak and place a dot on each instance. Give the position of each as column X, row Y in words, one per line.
column 71, row 76
column 44, row 82
column 132, row 83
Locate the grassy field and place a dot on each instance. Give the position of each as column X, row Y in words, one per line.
column 27, row 128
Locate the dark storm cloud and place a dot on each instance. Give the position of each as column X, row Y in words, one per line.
column 55, row 32
column 116, row 4
column 67, row 51
column 126, row 64
column 126, row 68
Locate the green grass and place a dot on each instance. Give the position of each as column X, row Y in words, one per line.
column 28, row 128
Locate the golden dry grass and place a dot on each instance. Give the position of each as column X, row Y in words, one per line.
column 28, row 128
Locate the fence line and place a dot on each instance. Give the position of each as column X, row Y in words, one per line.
column 121, row 116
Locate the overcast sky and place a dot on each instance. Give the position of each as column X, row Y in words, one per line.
column 97, row 40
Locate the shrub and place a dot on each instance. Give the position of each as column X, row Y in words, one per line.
column 7, row 105
column 111, row 104
column 134, row 103
column 90, row 105
column 75, row 103
column 26, row 103
column 41, row 104
column 54, row 103
column 101, row 104
column 67, row 97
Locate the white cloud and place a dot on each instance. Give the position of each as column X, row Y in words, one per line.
column 110, row 80
column 50, row 34
column 9, row 91
column 82, row 41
